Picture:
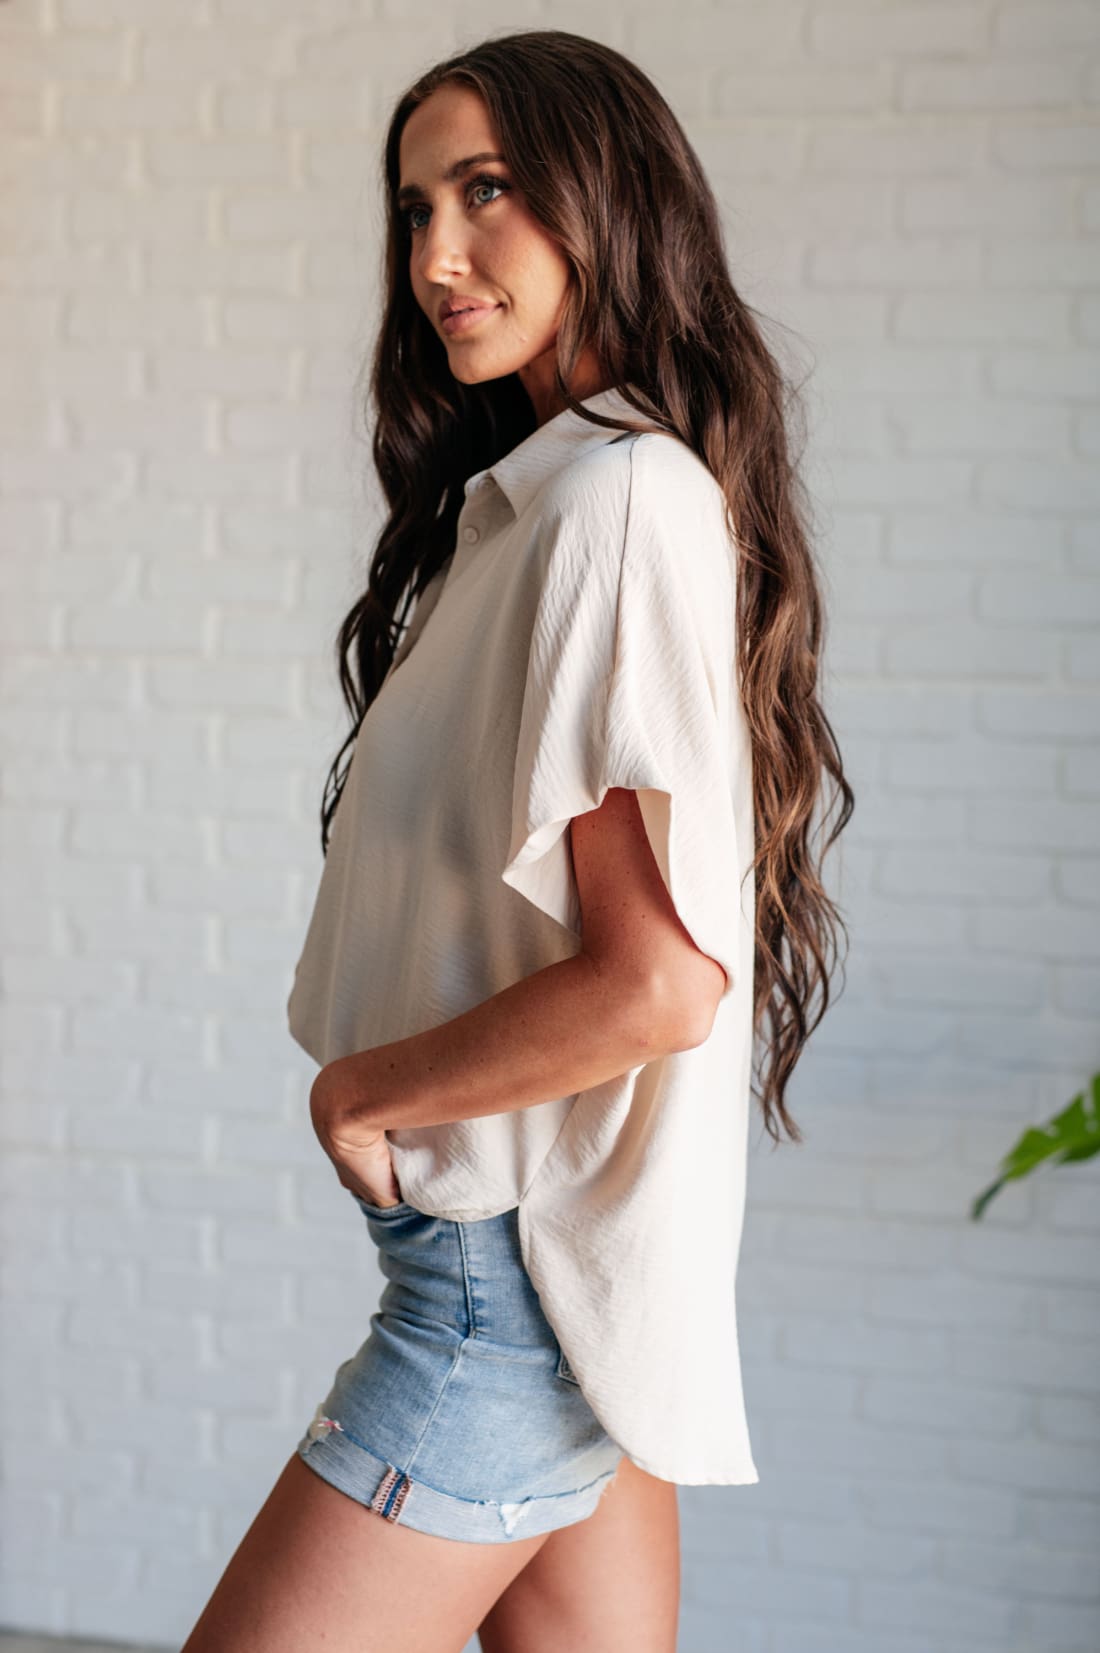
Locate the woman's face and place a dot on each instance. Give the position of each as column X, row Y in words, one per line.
column 473, row 239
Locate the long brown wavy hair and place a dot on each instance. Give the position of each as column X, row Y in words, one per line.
column 605, row 168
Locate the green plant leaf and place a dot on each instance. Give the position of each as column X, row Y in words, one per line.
column 1072, row 1135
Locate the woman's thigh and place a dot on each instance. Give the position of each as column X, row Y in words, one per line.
column 607, row 1584
column 318, row 1569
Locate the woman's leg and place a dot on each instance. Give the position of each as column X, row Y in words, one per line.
column 317, row 1569
column 607, row 1584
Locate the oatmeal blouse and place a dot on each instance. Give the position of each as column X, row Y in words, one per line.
column 580, row 636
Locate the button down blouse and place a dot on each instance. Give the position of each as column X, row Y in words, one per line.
column 580, row 636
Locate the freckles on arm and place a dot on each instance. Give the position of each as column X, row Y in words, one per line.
column 631, row 928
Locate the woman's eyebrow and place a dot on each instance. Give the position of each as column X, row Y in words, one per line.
column 407, row 192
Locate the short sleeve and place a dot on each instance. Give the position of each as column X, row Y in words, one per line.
column 631, row 682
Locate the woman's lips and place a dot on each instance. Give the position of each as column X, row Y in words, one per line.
column 460, row 321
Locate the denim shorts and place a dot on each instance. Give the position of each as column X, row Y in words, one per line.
column 459, row 1414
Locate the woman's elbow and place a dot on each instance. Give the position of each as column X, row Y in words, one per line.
column 675, row 1007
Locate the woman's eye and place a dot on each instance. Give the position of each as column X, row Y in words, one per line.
column 489, row 183
column 484, row 182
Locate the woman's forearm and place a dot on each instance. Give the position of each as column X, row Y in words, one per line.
column 563, row 1029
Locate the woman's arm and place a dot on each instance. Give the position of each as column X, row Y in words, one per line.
column 638, row 989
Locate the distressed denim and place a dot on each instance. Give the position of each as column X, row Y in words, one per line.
column 459, row 1414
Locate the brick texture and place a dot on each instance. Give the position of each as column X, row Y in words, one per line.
column 187, row 236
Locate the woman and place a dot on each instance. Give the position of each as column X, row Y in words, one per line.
column 572, row 874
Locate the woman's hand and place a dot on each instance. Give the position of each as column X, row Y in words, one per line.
column 359, row 1152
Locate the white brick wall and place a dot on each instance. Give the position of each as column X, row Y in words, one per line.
column 187, row 270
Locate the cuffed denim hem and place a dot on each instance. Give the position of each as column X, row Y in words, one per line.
column 337, row 1457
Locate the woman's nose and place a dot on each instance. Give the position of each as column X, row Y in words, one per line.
column 443, row 251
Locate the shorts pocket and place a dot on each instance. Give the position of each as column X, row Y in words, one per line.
column 401, row 1209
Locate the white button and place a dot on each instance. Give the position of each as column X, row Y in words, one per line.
column 471, row 535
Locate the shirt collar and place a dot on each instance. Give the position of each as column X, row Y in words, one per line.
column 522, row 471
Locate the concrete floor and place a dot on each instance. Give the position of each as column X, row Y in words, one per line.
column 14, row 1641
